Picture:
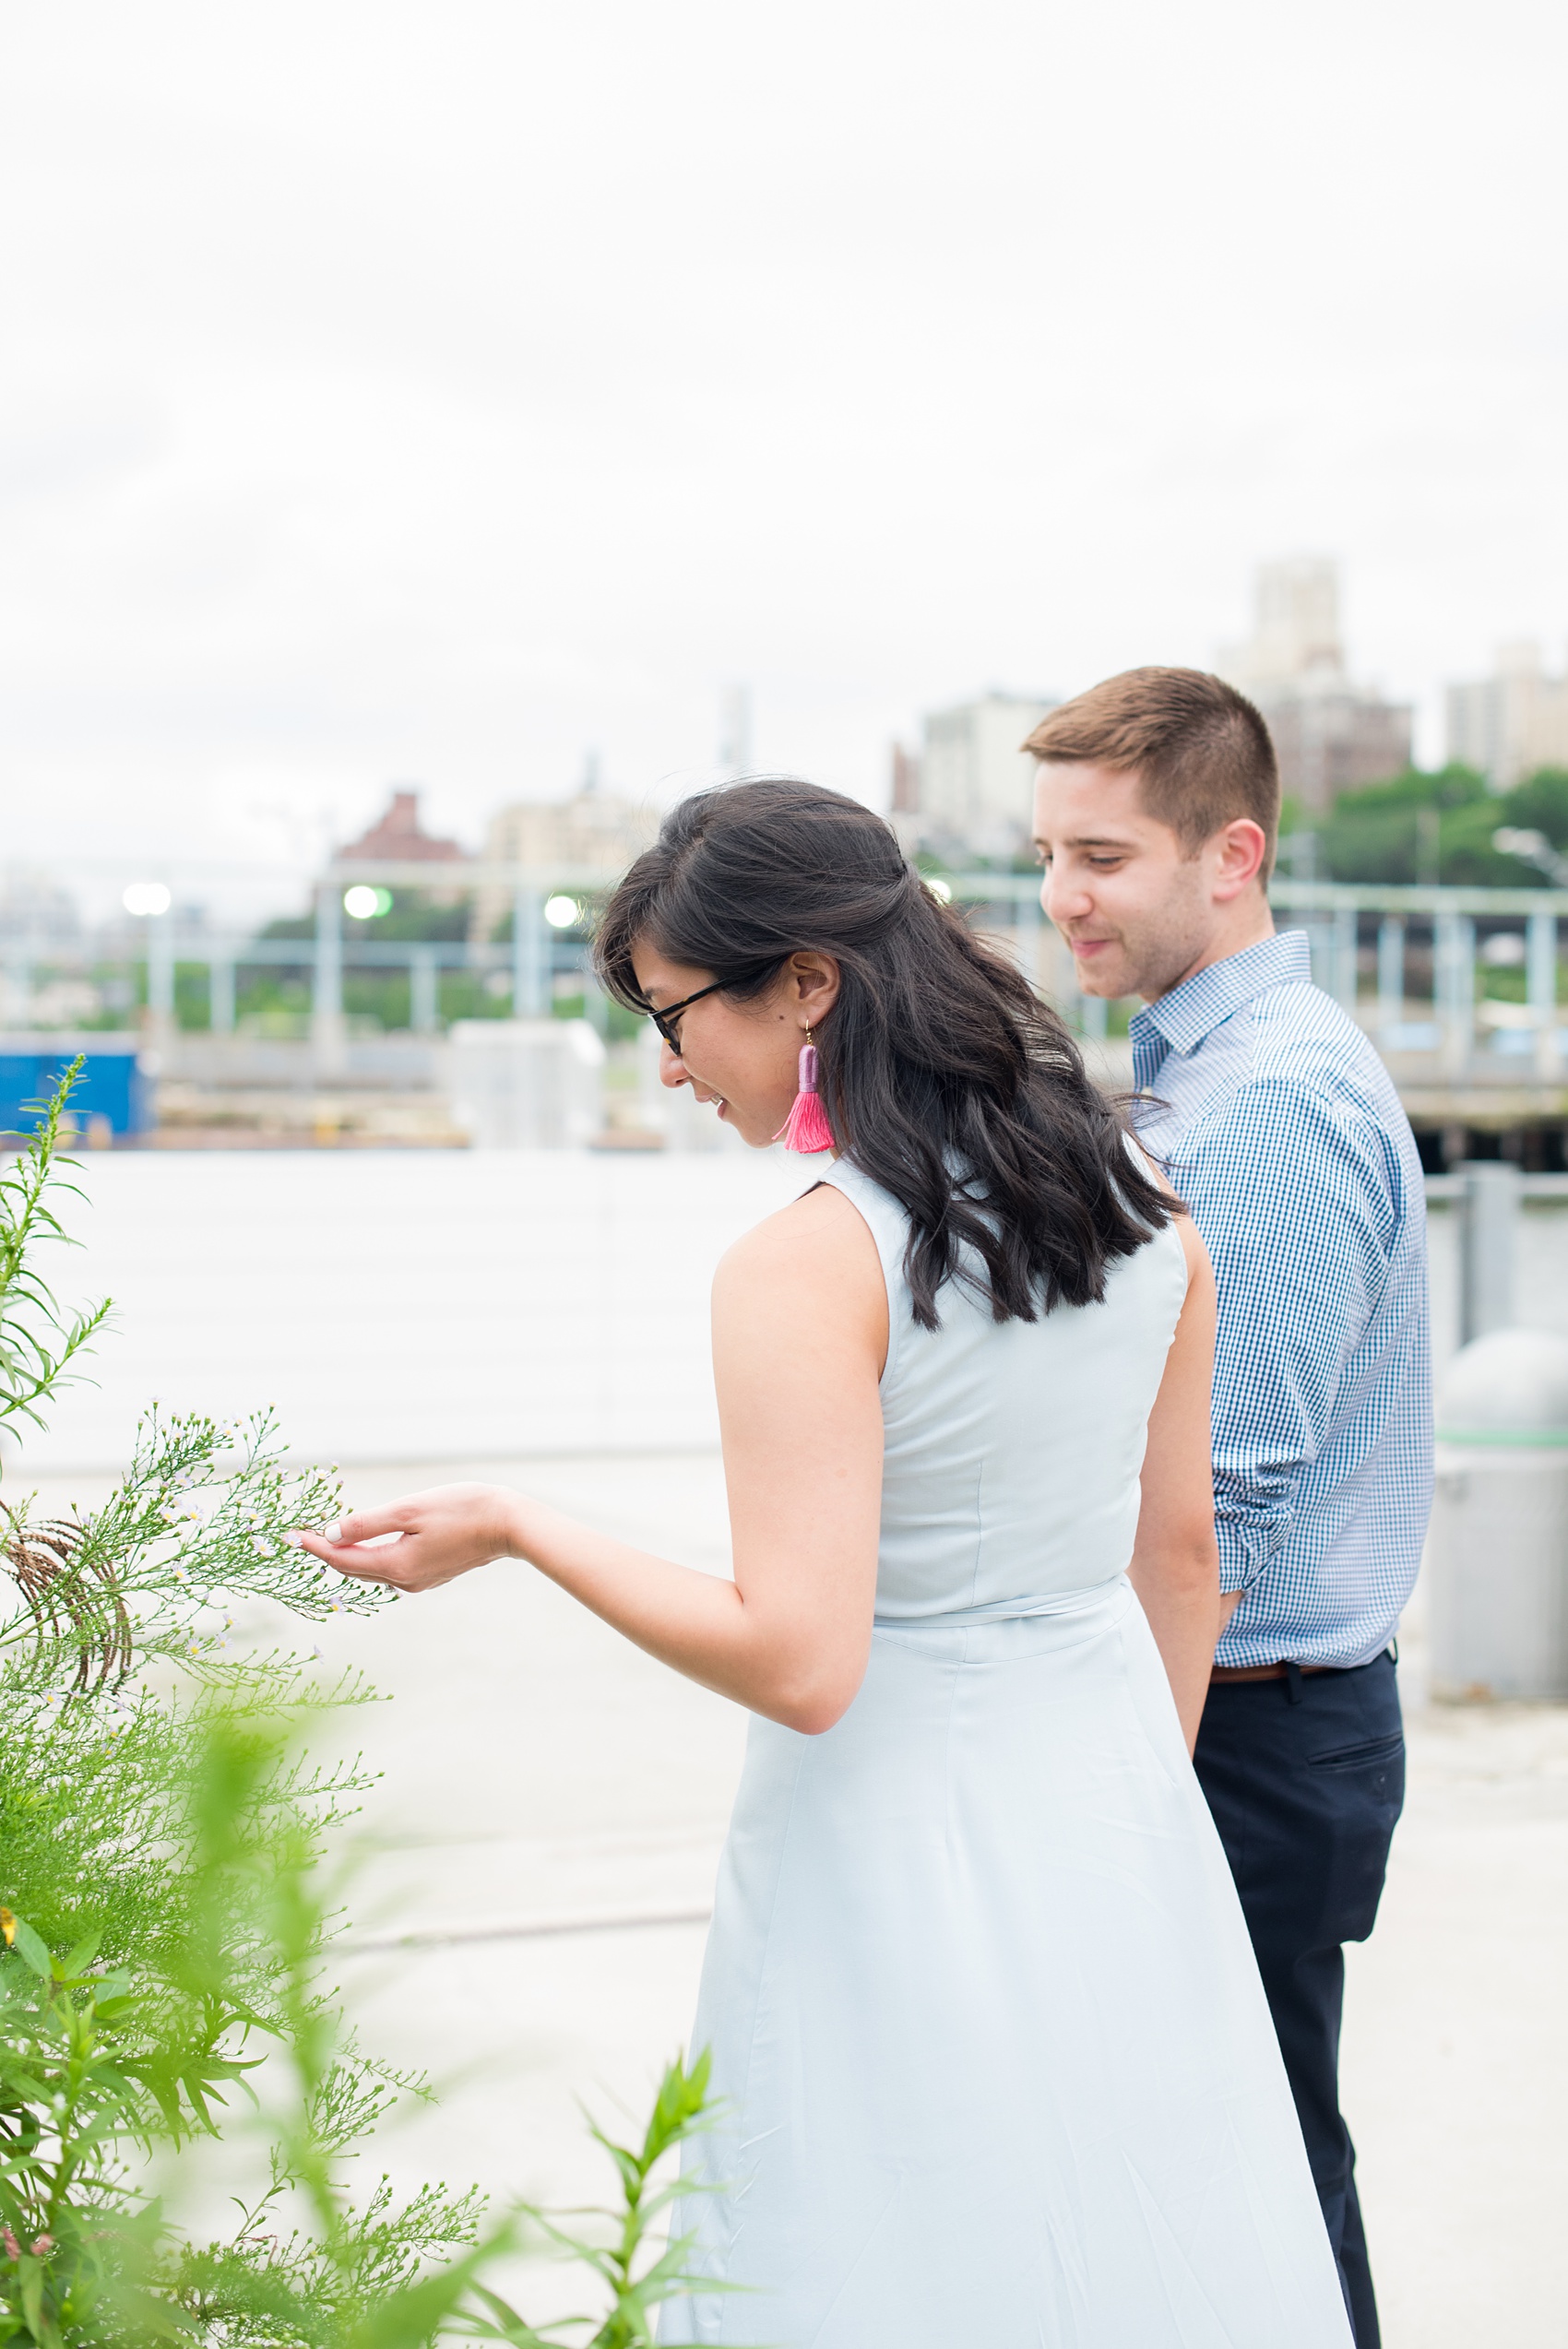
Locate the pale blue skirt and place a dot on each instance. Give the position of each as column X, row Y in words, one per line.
column 996, row 2067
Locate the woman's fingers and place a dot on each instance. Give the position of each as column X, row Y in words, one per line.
column 384, row 1527
column 388, row 1562
column 368, row 1524
column 347, row 1557
column 415, row 1543
column 332, row 1543
column 352, row 1553
column 369, row 1565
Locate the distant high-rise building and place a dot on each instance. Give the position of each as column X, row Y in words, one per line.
column 735, row 730
column 1330, row 735
column 396, row 837
column 592, row 833
column 973, row 785
column 1295, row 624
column 906, row 781
column 1508, row 725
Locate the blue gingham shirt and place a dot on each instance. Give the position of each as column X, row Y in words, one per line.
column 1279, row 1126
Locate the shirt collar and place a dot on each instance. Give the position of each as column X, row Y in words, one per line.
column 1198, row 1006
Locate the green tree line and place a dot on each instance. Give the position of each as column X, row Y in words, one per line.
column 1434, row 827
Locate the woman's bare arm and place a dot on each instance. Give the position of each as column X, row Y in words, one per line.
column 800, row 1336
column 1175, row 1568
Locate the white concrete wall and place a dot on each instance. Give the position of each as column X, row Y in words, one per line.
column 433, row 1304
column 407, row 1305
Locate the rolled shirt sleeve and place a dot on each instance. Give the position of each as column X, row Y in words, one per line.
column 1297, row 1197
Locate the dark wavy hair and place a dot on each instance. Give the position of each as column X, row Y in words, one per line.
column 945, row 1077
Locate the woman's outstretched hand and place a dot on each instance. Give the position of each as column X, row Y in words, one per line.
column 423, row 1540
column 799, row 1319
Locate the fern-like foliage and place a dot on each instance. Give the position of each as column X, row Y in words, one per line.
column 164, row 1924
column 39, row 1343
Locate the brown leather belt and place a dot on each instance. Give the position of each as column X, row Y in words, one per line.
column 1262, row 1671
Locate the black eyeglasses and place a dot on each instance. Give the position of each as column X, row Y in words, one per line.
column 662, row 1020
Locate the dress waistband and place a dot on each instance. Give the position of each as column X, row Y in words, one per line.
column 1007, row 1610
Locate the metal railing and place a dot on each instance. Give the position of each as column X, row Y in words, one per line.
column 1450, row 1026
column 536, row 954
column 1453, row 1027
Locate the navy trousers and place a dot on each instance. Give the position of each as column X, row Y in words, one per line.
column 1306, row 1777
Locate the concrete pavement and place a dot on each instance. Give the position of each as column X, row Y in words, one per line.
column 543, row 1321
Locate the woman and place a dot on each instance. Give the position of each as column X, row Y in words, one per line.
column 994, row 2064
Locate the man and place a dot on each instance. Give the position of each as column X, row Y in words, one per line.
column 1156, row 805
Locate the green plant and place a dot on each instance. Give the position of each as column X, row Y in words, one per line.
column 165, row 1923
column 87, row 2071
column 71, row 2234
column 38, row 1342
column 637, row 2283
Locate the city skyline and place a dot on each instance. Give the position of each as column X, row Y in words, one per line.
column 507, row 387
column 935, row 807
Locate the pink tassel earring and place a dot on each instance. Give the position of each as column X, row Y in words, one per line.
column 806, row 1128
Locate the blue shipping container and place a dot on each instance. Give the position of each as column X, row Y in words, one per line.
column 112, row 1085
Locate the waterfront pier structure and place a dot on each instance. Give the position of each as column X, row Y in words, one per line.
column 1462, row 990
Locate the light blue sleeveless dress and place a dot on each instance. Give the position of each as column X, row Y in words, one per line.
column 995, row 2064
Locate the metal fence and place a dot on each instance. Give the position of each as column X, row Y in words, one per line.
column 1414, row 964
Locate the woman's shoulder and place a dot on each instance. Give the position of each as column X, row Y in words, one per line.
column 814, row 1265
column 824, row 1233
column 1158, row 1276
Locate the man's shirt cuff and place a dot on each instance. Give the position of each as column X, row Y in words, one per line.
column 1241, row 1561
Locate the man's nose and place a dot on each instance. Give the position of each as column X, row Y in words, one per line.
column 1063, row 899
column 672, row 1067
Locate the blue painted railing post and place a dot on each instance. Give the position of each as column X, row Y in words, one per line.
column 326, row 990
column 161, row 974
column 423, row 998
column 1390, row 973
column 1345, row 958
column 220, row 996
column 530, row 949
column 1455, row 989
column 1540, row 976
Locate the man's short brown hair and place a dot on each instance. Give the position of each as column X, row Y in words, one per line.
column 1200, row 750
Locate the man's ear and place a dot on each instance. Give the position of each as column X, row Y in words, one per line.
column 1237, row 851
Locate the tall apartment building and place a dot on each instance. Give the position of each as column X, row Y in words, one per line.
column 1509, row 724
column 1330, row 734
column 593, row 833
column 971, row 786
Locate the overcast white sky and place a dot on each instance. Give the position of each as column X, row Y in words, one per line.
column 440, row 392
